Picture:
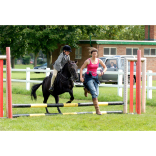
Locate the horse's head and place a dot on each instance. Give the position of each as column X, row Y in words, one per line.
column 72, row 67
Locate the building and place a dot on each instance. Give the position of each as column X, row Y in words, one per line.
column 117, row 47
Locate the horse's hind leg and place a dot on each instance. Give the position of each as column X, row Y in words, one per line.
column 57, row 100
column 46, row 96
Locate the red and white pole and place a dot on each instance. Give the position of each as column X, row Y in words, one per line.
column 131, row 86
column 8, row 80
column 136, row 85
column 1, row 88
column 138, row 82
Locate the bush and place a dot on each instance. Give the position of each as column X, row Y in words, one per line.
column 15, row 60
column 40, row 61
column 26, row 59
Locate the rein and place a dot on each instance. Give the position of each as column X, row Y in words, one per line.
column 68, row 78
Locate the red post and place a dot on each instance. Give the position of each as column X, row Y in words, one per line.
column 139, row 82
column 9, row 90
column 1, row 88
column 131, row 86
column 136, row 86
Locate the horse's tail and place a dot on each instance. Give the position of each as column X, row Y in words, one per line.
column 33, row 91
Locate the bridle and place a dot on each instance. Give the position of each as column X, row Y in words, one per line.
column 71, row 70
column 63, row 78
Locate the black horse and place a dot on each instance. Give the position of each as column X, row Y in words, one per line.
column 63, row 83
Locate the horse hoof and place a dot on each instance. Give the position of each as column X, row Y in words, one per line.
column 68, row 102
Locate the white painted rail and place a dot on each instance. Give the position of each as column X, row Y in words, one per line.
column 120, row 74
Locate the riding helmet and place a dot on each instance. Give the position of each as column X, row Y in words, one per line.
column 67, row 48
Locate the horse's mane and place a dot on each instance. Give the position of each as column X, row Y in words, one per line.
column 67, row 64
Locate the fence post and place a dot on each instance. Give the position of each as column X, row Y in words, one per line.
column 8, row 85
column 47, row 71
column 27, row 78
column 149, row 84
column 138, row 79
column 143, row 108
column 131, row 86
column 125, row 85
column 119, row 83
column 1, row 88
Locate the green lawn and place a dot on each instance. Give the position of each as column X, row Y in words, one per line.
column 84, row 122
column 22, row 75
column 22, row 66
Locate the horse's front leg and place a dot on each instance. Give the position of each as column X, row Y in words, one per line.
column 57, row 100
column 71, row 96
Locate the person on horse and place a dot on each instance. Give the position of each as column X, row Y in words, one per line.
column 62, row 59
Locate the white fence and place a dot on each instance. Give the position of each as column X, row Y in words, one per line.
column 120, row 73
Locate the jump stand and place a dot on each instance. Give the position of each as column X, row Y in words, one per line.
column 8, row 84
column 138, row 60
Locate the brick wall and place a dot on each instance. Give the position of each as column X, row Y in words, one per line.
column 146, row 32
column 121, row 50
column 152, row 32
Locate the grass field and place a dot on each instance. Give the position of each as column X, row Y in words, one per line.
column 84, row 122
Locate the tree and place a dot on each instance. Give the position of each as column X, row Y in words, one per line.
column 48, row 37
column 33, row 38
column 121, row 32
column 12, row 36
column 132, row 32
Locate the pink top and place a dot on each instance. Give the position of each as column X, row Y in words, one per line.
column 93, row 68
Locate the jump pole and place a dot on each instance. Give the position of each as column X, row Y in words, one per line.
column 44, row 105
column 1, row 87
column 136, row 87
column 71, row 113
column 131, row 86
column 8, row 85
column 2, row 57
column 143, row 108
column 125, row 86
column 65, row 104
column 138, row 79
